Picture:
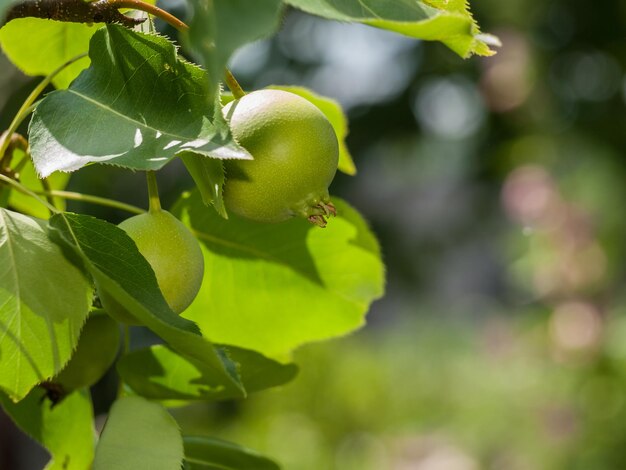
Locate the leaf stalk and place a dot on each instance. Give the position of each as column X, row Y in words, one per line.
column 101, row 201
column 23, row 189
column 27, row 105
column 153, row 192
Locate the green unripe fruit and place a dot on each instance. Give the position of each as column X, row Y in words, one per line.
column 96, row 351
column 295, row 154
column 172, row 251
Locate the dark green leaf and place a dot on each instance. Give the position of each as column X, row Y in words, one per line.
column 207, row 452
column 65, row 429
column 120, row 271
column 208, row 174
column 448, row 21
column 44, row 301
column 219, row 27
column 159, row 373
column 139, row 435
column 273, row 287
column 138, row 105
column 4, row 7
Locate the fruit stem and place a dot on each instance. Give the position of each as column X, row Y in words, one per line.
column 151, row 9
column 45, row 184
column 16, row 141
column 153, row 192
column 124, row 352
column 233, row 85
column 101, row 201
column 23, row 189
column 26, row 109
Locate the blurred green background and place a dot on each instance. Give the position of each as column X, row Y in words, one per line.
column 496, row 188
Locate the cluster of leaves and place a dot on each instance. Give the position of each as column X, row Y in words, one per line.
column 135, row 103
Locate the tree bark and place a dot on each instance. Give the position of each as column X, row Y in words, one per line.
column 75, row 11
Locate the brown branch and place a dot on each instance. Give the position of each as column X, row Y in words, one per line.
column 153, row 10
column 15, row 141
column 101, row 11
column 75, row 11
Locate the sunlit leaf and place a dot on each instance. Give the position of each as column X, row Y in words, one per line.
column 159, row 373
column 448, row 21
column 138, row 105
column 28, row 177
column 273, row 287
column 50, row 44
column 44, row 300
column 123, row 274
column 65, row 428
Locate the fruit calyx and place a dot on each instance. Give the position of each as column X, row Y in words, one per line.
column 317, row 210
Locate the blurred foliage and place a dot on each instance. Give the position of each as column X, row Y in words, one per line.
column 440, row 395
column 495, row 186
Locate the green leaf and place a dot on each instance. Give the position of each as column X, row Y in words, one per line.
column 448, row 21
column 159, row 373
column 65, row 428
column 208, row 174
column 273, row 287
column 333, row 112
column 50, row 44
column 120, row 271
column 138, row 106
column 4, row 7
column 44, row 300
column 97, row 349
column 139, row 435
column 219, row 27
column 207, row 452
column 28, row 177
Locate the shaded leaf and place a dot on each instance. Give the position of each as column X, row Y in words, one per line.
column 119, row 271
column 139, row 435
column 273, row 287
column 448, row 21
column 4, row 7
column 65, row 429
column 333, row 112
column 138, row 105
column 208, row 452
column 219, row 27
column 159, row 373
column 208, row 174
column 44, row 301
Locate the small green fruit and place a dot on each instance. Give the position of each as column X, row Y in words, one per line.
column 96, row 351
column 172, row 251
column 295, row 154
